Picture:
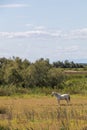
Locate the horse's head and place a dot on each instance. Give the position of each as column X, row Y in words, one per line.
column 53, row 93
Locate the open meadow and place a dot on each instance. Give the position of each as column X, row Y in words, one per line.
column 34, row 112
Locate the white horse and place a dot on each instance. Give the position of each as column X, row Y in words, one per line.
column 61, row 97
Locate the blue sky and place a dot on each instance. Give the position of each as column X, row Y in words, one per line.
column 54, row 29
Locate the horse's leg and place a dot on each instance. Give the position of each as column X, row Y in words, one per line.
column 58, row 102
column 67, row 100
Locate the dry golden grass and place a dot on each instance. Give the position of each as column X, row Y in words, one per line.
column 43, row 113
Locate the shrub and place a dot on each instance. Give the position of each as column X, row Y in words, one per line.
column 4, row 128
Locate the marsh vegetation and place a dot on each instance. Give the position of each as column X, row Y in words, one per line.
column 42, row 113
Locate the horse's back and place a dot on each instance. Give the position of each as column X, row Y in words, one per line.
column 65, row 95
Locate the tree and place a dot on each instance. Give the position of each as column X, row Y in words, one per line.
column 55, row 78
column 58, row 64
column 12, row 76
column 36, row 74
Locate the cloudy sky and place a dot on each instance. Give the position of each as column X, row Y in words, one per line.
column 54, row 29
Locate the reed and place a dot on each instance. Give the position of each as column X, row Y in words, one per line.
column 42, row 113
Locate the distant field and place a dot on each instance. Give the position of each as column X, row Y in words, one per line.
column 42, row 113
column 75, row 72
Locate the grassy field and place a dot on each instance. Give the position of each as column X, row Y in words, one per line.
column 43, row 113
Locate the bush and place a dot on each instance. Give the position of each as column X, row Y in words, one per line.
column 4, row 128
column 4, row 91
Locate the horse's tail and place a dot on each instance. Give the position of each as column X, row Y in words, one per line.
column 69, row 97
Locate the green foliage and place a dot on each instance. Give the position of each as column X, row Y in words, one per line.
column 36, row 74
column 55, row 78
column 67, row 64
column 76, row 85
column 24, row 75
column 4, row 128
column 12, row 76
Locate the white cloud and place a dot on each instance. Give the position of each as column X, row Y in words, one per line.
column 41, row 32
column 13, row 5
column 35, row 27
column 76, row 34
column 22, row 34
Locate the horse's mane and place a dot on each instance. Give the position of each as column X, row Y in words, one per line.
column 56, row 93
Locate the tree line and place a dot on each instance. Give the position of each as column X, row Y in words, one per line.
column 23, row 73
